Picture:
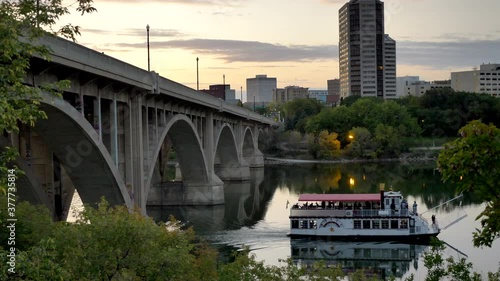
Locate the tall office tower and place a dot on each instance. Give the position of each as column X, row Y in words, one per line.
column 364, row 51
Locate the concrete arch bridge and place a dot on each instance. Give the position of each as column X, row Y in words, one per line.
column 110, row 133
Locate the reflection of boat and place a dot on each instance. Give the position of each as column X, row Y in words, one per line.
column 383, row 216
column 375, row 258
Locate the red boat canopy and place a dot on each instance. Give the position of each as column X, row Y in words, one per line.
column 340, row 197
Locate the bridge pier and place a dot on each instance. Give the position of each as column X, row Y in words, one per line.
column 233, row 172
column 255, row 160
column 186, row 194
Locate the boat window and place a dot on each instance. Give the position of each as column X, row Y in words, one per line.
column 394, row 223
column 357, row 224
column 312, row 224
column 404, row 224
column 367, row 253
column 366, row 224
column 375, row 224
column 385, row 224
column 295, row 224
column 303, row 224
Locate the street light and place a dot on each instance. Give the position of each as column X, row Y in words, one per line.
column 147, row 32
column 197, row 75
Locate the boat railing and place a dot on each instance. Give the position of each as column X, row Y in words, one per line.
column 332, row 212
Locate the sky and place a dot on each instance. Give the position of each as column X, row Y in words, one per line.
column 295, row 41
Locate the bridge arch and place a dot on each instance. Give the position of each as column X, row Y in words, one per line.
column 250, row 151
column 85, row 159
column 190, row 155
column 225, row 146
column 228, row 163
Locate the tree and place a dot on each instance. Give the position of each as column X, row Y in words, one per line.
column 328, row 143
column 473, row 162
column 361, row 142
column 22, row 23
column 109, row 243
column 297, row 111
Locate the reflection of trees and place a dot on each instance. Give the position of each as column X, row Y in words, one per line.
column 419, row 180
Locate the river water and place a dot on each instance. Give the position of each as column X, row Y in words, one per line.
column 255, row 215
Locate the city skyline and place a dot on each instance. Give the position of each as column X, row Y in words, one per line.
column 294, row 41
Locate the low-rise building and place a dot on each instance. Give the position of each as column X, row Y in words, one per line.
column 485, row 80
column 320, row 95
column 290, row 93
column 419, row 88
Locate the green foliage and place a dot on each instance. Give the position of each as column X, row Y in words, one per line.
column 441, row 112
column 297, row 111
column 36, row 224
column 473, row 163
column 22, row 24
column 440, row 268
column 112, row 244
column 350, row 100
column 386, row 123
column 361, row 143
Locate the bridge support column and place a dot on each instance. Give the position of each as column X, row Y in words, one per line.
column 213, row 191
column 233, row 171
column 138, row 196
column 186, row 194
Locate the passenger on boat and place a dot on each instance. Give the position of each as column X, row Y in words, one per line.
column 415, row 208
column 393, row 206
column 433, row 219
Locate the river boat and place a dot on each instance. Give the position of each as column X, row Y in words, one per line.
column 374, row 216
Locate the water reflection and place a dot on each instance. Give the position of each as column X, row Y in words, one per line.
column 245, row 205
column 255, row 214
column 418, row 180
column 378, row 259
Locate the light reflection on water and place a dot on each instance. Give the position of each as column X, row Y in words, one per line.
column 255, row 215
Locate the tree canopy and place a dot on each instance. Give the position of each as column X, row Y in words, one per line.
column 297, row 111
column 473, row 162
column 22, row 23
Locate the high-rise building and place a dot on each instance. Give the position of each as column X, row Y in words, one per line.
column 486, row 80
column 260, row 89
column 367, row 56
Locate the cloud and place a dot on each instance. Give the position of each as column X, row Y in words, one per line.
column 436, row 55
column 245, row 51
column 442, row 55
column 231, row 3
column 138, row 32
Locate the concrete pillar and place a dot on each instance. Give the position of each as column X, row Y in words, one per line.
column 99, row 114
column 128, row 139
column 114, row 130
column 138, row 197
column 259, row 156
column 209, row 142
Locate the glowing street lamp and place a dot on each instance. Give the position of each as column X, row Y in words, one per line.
column 351, row 182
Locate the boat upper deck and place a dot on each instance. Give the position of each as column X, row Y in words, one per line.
column 369, row 197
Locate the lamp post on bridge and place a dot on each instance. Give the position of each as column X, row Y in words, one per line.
column 197, row 75
column 147, row 32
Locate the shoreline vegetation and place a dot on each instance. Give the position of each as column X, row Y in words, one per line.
column 289, row 161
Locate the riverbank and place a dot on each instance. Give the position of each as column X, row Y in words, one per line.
column 288, row 161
